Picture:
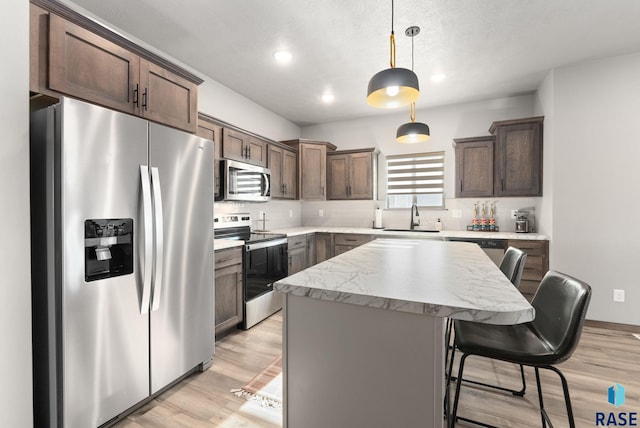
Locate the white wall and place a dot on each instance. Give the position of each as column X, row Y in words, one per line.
column 544, row 107
column 596, row 181
column 15, row 282
column 445, row 123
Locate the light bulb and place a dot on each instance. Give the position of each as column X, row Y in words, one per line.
column 392, row 91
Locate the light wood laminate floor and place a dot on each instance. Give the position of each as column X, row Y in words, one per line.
column 603, row 358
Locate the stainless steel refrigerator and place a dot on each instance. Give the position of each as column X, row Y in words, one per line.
column 122, row 261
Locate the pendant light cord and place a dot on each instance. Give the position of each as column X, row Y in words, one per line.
column 412, row 112
column 392, row 42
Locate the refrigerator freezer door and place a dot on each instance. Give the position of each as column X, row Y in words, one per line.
column 182, row 325
column 104, row 336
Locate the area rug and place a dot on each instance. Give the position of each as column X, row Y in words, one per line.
column 265, row 387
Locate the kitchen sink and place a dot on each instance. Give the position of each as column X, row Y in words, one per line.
column 411, row 230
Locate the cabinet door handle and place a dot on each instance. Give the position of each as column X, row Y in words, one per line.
column 461, row 186
column 322, row 190
column 285, row 188
column 145, row 99
column 502, row 184
column 135, row 95
column 249, row 151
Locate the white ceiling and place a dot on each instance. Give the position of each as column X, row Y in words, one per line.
column 486, row 48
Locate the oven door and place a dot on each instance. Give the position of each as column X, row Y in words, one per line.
column 264, row 263
column 244, row 182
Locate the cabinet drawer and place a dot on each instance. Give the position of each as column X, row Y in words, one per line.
column 228, row 257
column 297, row 242
column 351, row 239
column 532, row 248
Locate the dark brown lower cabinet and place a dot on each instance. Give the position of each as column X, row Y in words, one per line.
column 297, row 248
column 536, row 265
column 324, row 246
column 343, row 242
column 228, row 290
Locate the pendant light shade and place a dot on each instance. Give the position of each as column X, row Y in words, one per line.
column 393, row 87
column 413, row 132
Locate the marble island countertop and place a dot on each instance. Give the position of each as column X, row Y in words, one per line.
column 442, row 279
column 381, row 233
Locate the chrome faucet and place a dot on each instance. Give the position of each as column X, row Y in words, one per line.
column 414, row 223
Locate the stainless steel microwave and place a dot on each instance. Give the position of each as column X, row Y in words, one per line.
column 244, row 182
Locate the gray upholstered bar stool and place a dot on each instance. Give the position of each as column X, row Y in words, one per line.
column 512, row 265
column 561, row 304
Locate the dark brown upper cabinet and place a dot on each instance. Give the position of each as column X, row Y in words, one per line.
column 207, row 128
column 351, row 174
column 507, row 163
column 243, row 147
column 474, row 166
column 72, row 55
column 312, row 168
column 518, row 157
column 283, row 164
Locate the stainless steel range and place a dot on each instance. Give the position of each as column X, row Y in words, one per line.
column 265, row 261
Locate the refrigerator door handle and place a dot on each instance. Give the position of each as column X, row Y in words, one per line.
column 159, row 241
column 148, row 239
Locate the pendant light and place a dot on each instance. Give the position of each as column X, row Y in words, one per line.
column 393, row 87
column 412, row 132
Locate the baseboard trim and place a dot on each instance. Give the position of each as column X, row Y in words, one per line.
column 613, row 326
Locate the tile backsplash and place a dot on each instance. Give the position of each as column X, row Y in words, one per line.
column 279, row 214
column 457, row 215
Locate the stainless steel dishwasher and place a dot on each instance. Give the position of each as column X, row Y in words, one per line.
column 494, row 248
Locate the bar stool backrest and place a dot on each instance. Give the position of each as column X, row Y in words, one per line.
column 512, row 264
column 561, row 304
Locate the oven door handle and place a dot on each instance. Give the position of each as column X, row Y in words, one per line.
column 266, row 244
column 266, row 184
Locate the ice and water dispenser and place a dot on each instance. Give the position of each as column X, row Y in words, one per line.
column 108, row 248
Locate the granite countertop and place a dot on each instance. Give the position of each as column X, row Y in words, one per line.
column 223, row 244
column 444, row 279
column 381, row 233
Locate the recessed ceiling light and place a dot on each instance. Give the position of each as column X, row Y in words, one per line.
column 283, row 57
column 438, row 77
column 328, row 98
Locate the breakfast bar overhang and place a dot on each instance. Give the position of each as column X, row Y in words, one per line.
column 363, row 338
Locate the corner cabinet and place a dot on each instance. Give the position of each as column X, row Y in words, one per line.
column 507, row 163
column 243, row 147
column 518, row 157
column 283, row 164
column 72, row 55
column 228, row 290
column 352, row 174
column 324, row 246
column 474, row 166
column 312, row 168
column 208, row 129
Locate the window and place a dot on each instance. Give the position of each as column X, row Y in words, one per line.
column 415, row 178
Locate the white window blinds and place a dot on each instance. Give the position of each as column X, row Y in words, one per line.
column 415, row 178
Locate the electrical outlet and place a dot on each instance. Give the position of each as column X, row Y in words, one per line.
column 618, row 295
column 320, row 213
column 514, row 214
column 290, row 213
column 456, row 213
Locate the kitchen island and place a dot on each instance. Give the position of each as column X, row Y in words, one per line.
column 363, row 331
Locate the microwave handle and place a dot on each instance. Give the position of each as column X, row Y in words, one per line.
column 267, row 184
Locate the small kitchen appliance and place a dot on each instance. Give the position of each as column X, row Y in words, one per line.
column 265, row 260
column 522, row 223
